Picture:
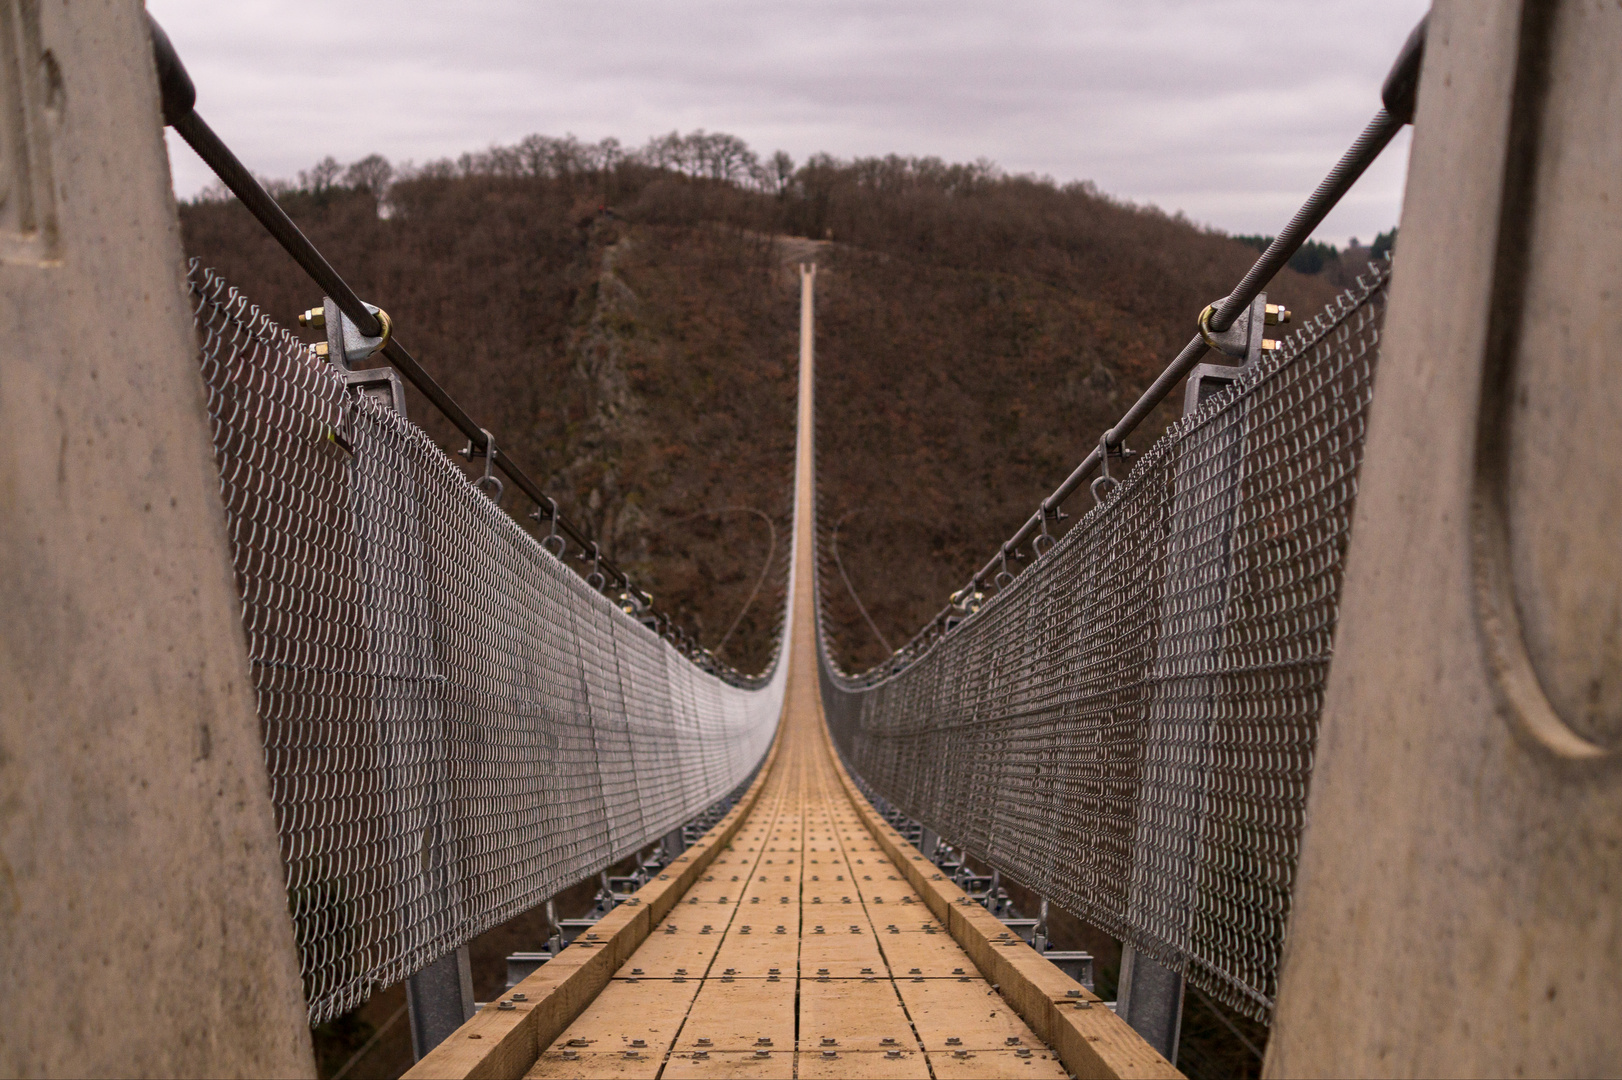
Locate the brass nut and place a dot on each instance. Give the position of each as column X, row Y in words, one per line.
column 320, row 348
column 315, row 317
column 1269, row 345
column 1276, row 314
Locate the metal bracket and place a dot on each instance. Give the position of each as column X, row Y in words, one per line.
column 345, row 345
column 1244, row 340
column 382, row 385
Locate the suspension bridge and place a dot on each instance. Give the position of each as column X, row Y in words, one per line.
column 346, row 710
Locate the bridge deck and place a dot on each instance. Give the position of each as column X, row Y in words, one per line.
column 800, row 937
column 801, row 951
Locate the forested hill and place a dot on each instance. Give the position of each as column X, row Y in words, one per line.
column 627, row 322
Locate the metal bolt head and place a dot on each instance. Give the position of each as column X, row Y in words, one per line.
column 321, row 348
column 506, row 1005
column 639, row 1042
column 315, row 317
column 520, row 997
column 1276, row 314
column 705, row 1042
column 826, row 1041
column 954, row 1041
column 1269, row 345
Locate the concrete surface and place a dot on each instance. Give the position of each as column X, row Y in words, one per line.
column 143, row 922
column 1459, row 899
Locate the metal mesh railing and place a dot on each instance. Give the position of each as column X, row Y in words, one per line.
column 1128, row 727
column 456, row 726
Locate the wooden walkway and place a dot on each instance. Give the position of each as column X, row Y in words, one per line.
column 802, row 951
column 800, row 937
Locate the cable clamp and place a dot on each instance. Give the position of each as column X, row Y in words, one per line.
column 596, row 579
column 551, row 515
column 1105, row 480
column 488, row 451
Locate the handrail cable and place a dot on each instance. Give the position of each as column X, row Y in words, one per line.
column 1399, row 96
column 179, row 96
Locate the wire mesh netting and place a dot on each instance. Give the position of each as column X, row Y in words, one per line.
column 456, row 726
column 1128, row 726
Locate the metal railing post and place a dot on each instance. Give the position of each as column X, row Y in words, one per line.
column 1150, row 999
column 439, row 999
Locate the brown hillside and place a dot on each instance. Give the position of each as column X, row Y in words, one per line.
column 628, row 331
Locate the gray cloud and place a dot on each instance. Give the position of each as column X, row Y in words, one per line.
column 1227, row 110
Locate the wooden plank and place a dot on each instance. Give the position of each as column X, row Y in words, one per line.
column 853, row 1014
column 736, row 1016
column 685, row 953
column 645, row 1014
column 929, row 956
column 758, row 954
column 841, row 956
column 951, row 1014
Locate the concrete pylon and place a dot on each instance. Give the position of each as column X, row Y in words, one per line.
column 1458, row 908
column 144, row 927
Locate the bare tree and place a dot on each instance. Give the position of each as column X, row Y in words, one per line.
column 371, row 174
column 318, row 179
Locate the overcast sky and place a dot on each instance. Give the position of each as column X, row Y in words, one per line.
column 1228, row 111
